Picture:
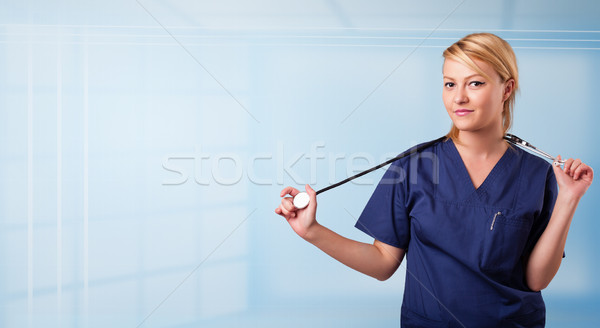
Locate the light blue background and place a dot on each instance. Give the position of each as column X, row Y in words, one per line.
column 103, row 102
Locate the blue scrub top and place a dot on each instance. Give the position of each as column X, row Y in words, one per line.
column 466, row 247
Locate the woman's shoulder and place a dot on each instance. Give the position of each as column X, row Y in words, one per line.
column 416, row 154
column 422, row 157
column 531, row 163
column 423, row 149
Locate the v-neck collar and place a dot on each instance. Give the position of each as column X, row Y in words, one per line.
column 466, row 178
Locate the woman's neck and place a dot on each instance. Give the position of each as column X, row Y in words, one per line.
column 481, row 144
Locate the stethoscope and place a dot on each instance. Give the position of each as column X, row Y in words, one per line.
column 302, row 199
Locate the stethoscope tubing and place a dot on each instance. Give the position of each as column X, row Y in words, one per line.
column 406, row 153
column 301, row 200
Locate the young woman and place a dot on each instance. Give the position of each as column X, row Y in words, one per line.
column 481, row 223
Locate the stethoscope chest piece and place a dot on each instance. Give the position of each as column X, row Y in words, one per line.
column 301, row 200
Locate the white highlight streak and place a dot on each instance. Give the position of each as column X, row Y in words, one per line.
column 86, row 289
column 30, row 185
column 59, row 182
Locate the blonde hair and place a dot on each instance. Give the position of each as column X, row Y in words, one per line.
column 494, row 51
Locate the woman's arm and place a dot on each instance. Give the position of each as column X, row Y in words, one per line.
column 378, row 260
column 544, row 261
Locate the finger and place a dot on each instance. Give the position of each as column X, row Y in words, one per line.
column 288, row 204
column 284, row 215
column 576, row 163
column 279, row 211
column 573, row 168
column 581, row 170
column 287, row 214
column 558, row 170
column 589, row 172
column 312, row 194
column 289, row 190
column 577, row 172
column 568, row 164
column 556, row 162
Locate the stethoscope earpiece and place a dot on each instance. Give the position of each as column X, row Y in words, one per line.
column 526, row 145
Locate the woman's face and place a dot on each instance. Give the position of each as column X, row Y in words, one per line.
column 474, row 103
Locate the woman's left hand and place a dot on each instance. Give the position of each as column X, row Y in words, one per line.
column 575, row 178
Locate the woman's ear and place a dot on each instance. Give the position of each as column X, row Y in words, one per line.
column 509, row 87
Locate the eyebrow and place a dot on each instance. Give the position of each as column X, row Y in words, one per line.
column 468, row 77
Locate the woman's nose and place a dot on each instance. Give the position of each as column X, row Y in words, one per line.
column 461, row 96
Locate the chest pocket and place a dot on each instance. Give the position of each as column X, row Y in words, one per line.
column 503, row 242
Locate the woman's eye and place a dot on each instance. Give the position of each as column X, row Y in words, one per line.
column 449, row 84
column 477, row 83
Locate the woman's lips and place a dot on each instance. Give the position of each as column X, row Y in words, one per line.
column 463, row 112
